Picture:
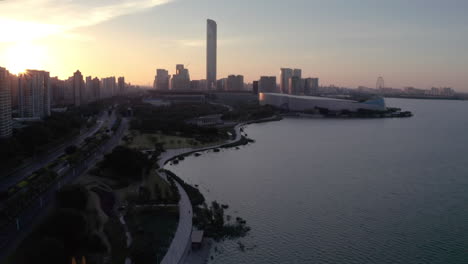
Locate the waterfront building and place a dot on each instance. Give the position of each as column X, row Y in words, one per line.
column 34, row 94
column 5, row 104
column 221, row 84
column 180, row 80
column 297, row 73
column 255, row 87
column 235, row 83
column 195, row 85
column 295, row 85
column 311, row 86
column 305, row 103
column 78, row 88
column 161, row 80
column 267, row 84
column 285, row 75
column 211, row 53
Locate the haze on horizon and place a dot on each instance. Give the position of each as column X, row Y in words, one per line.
column 419, row 43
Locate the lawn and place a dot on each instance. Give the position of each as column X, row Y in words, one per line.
column 142, row 141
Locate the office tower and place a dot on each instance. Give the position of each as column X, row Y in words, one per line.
column 235, row 83
column 162, row 80
column 295, row 85
column 285, row 75
column 211, row 46
column 34, row 94
column 181, row 80
column 267, row 84
column 311, row 86
column 5, row 104
column 96, row 90
column 255, row 87
column 297, row 73
column 121, row 85
column 78, row 88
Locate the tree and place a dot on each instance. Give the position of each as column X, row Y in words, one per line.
column 73, row 197
column 71, row 149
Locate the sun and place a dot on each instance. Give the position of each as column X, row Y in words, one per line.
column 24, row 55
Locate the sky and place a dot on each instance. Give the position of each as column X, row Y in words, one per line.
column 420, row 43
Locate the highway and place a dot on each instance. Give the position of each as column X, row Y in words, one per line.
column 42, row 161
column 12, row 235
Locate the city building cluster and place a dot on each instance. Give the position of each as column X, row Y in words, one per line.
column 32, row 95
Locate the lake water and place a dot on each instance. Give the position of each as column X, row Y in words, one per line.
column 346, row 191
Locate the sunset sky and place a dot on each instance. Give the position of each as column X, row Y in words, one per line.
column 420, row 43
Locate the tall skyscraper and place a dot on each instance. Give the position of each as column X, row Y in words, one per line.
column 255, row 87
column 34, row 94
column 5, row 104
column 211, row 49
column 162, row 80
column 285, row 75
column 78, row 88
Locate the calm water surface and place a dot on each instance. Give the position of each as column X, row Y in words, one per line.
column 346, row 191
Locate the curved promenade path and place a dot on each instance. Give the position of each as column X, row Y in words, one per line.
column 181, row 243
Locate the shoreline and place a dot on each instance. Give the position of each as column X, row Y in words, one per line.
column 174, row 154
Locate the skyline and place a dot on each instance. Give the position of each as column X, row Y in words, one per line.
column 345, row 44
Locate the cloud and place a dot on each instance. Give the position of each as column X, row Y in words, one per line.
column 31, row 19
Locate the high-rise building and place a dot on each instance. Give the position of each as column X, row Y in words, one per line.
column 295, row 85
column 255, row 87
column 88, row 96
column 221, row 84
column 58, row 88
column 5, row 104
column 267, row 84
column 297, row 73
column 34, row 94
column 181, row 80
column 108, row 87
column 78, row 88
column 194, row 85
column 285, row 75
column 311, row 86
column 235, row 83
column 211, row 49
column 96, row 91
column 162, row 80
column 121, row 85
column 14, row 89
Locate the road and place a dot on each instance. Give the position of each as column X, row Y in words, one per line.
column 40, row 162
column 11, row 236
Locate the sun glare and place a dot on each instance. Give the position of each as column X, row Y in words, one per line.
column 25, row 55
